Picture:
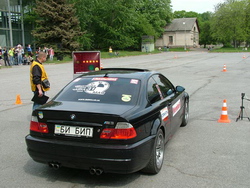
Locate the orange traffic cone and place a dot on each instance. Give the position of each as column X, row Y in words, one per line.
column 224, row 116
column 244, row 57
column 224, row 68
column 101, row 67
column 18, row 100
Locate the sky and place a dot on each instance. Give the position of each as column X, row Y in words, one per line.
column 199, row 6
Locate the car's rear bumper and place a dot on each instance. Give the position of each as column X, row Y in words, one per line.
column 109, row 158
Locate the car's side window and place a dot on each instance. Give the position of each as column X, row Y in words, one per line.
column 153, row 92
column 164, row 84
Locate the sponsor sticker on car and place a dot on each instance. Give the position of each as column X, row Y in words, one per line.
column 105, row 79
column 96, row 88
column 164, row 114
column 176, row 107
column 134, row 81
column 126, row 98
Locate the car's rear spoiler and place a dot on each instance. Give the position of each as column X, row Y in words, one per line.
column 126, row 69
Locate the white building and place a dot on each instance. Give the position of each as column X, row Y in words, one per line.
column 182, row 32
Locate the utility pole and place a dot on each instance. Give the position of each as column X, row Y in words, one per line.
column 185, row 47
column 10, row 24
column 22, row 24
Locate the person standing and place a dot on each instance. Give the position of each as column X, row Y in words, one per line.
column 45, row 50
column 0, row 56
column 1, row 52
column 19, row 55
column 39, row 78
column 29, row 50
column 11, row 55
column 51, row 53
column 29, row 59
column 6, row 57
column 110, row 51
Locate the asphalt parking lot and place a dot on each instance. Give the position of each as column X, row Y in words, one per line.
column 205, row 153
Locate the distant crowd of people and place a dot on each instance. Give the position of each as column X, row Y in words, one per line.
column 20, row 56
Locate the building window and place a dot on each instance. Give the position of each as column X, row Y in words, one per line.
column 11, row 28
column 171, row 40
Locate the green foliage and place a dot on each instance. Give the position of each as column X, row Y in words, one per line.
column 229, row 22
column 116, row 20
column 184, row 14
column 57, row 25
column 30, row 15
column 231, row 50
column 120, row 23
column 157, row 13
column 204, row 20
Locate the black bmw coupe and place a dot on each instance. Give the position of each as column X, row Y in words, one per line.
column 115, row 120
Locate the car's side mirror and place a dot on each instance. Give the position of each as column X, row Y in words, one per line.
column 179, row 89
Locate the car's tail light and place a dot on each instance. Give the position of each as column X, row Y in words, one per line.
column 37, row 126
column 122, row 131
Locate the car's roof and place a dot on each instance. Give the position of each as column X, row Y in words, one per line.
column 121, row 73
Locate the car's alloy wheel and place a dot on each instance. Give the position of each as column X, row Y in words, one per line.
column 186, row 114
column 157, row 157
column 159, row 150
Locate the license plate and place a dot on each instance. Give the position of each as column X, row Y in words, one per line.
column 74, row 131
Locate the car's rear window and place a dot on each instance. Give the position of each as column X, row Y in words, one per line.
column 102, row 90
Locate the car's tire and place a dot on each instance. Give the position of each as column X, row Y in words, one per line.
column 185, row 114
column 157, row 156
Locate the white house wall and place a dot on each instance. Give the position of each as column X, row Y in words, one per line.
column 179, row 39
column 195, row 35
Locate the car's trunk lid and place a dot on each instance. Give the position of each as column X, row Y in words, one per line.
column 83, row 121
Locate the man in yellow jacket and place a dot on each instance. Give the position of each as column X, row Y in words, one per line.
column 38, row 79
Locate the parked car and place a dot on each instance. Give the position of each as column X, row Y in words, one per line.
column 115, row 120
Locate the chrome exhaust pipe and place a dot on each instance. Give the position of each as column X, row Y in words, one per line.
column 95, row 171
column 54, row 165
column 92, row 171
column 51, row 165
column 98, row 172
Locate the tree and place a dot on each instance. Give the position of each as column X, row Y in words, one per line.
column 86, row 12
column 184, row 14
column 121, row 23
column 157, row 13
column 57, row 25
column 205, row 35
column 205, row 28
column 247, row 22
column 114, row 24
column 229, row 22
column 106, row 23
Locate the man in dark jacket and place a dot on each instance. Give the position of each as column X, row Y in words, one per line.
column 38, row 79
column 6, row 57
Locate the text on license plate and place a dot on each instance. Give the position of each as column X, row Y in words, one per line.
column 74, row 131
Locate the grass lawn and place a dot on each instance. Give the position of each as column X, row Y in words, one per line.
column 117, row 54
column 231, row 50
